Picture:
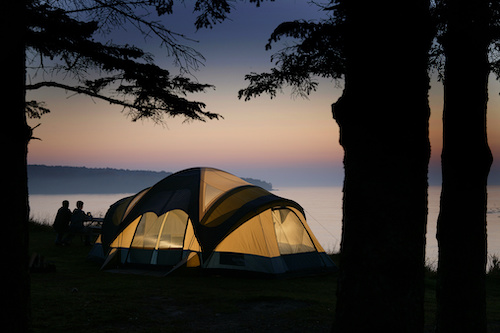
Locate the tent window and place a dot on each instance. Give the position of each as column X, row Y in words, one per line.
column 291, row 235
column 174, row 226
column 146, row 234
column 161, row 232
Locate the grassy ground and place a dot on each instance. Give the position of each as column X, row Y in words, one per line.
column 78, row 298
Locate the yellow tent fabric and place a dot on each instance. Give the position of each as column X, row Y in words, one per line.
column 213, row 219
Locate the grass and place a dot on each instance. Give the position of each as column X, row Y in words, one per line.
column 78, row 298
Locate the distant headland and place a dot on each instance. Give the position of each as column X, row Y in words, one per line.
column 44, row 179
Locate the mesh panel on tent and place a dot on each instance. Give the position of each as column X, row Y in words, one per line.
column 173, row 229
column 147, row 232
column 161, row 232
column 291, row 235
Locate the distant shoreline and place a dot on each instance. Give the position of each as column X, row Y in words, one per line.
column 44, row 179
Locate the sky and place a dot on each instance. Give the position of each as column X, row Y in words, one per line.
column 287, row 141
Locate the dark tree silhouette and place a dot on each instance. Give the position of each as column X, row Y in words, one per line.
column 15, row 135
column 383, row 117
column 127, row 75
column 57, row 38
column 466, row 32
column 319, row 54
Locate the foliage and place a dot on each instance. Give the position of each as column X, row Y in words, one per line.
column 35, row 109
column 318, row 53
column 214, row 11
column 62, row 41
column 440, row 15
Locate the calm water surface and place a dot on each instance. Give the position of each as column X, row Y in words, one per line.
column 323, row 206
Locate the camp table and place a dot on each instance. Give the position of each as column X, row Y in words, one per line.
column 95, row 225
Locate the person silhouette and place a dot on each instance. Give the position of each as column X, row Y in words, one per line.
column 76, row 225
column 61, row 222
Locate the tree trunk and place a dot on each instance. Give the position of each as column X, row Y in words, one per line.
column 383, row 117
column 15, row 137
column 466, row 160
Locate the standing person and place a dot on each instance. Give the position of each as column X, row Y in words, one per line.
column 76, row 225
column 61, row 222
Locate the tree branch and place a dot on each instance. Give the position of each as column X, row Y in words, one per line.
column 79, row 90
column 152, row 107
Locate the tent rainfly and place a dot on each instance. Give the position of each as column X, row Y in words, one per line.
column 212, row 219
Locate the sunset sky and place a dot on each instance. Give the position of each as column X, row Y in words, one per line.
column 285, row 141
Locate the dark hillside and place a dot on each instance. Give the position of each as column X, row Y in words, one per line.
column 43, row 179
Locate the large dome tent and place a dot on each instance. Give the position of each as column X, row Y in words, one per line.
column 212, row 219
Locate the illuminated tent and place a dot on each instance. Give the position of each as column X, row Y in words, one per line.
column 209, row 218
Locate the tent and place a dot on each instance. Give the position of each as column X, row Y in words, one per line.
column 212, row 219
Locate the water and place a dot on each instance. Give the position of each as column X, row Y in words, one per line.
column 43, row 208
column 323, row 207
